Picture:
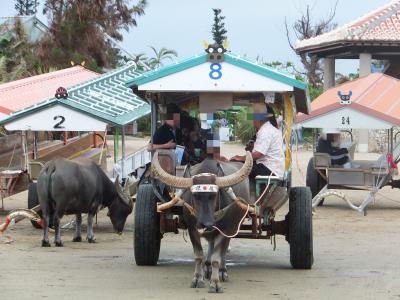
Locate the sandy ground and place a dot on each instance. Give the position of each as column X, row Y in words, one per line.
column 356, row 257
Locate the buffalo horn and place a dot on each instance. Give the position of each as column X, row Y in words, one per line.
column 173, row 181
column 244, row 205
column 238, row 176
column 126, row 185
column 19, row 213
column 131, row 187
column 118, row 187
column 172, row 202
column 122, row 193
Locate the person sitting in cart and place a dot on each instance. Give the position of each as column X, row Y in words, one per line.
column 168, row 135
column 195, row 150
column 267, row 152
column 339, row 156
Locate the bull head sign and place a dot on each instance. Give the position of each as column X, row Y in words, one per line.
column 345, row 99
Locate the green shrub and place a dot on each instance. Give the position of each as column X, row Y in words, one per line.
column 245, row 127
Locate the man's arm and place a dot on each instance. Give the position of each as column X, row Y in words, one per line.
column 169, row 145
column 255, row 154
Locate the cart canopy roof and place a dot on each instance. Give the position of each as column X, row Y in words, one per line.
column 89, row 106
column 234, row 74
column 370, row 102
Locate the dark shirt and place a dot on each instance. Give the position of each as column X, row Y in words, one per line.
column 324, row 146
column 195, row 152
column 166, row 133
column 339, row 156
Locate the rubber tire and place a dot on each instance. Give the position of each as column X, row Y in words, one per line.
column 33, row 200
column 314, row 180
column 300, row 228
column 146, row 236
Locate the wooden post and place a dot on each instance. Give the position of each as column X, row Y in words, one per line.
column 153, row 118
column 35, row 145
column 25, row 149
column 65, row 137
column 94, row 139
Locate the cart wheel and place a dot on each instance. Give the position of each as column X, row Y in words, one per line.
column 314, row 180
column 147, row 236
column 33, row 201
column 300, row 228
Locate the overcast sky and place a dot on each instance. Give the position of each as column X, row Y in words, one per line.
column 255, row 27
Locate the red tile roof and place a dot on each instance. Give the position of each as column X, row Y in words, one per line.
column 19, row 94
column 376, row 94
column 382, row 24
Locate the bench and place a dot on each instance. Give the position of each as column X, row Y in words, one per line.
column 273, row 181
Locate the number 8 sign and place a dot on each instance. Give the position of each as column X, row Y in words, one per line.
column 215, row 71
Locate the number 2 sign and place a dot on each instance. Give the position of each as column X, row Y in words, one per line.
column 58, row 124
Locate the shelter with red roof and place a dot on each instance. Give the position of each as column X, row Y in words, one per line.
column 370, row 102
column 23, row 93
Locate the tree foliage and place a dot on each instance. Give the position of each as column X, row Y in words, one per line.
column 17, row 58
column 144, row 63
column 245, row 126
column 290, row 68
column 218, row 28
column 161, row 55
column 26, row 7
column 304, row 28
column 83, row 31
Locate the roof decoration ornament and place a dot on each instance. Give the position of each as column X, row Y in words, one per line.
column 215, row 51
column 345, row 99
column 61, row 93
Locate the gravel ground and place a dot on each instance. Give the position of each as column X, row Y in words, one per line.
column 356, row 257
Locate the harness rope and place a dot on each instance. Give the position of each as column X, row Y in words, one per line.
column 247, row 211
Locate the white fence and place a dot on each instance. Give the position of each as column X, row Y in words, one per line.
column 133, row 162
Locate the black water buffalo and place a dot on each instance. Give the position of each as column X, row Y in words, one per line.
column 75, row 187
column 213, row 192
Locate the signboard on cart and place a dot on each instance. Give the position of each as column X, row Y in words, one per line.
column 346, row 118
column 57, row 118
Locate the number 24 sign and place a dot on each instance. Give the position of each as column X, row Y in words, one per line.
column 345, row 120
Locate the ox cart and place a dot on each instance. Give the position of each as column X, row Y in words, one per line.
column 354, row 107
column 203, row 85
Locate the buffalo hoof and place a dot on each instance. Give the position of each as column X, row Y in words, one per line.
column 197, row 283
column 59, row 244
column 91, row 240
column 215, row 287
column 77, row 239
column 207, row 270
column 223, row 275
column 46, row 244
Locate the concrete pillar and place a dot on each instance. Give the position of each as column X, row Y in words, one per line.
column 365, row 64
column 329, row 73
column 365, row 70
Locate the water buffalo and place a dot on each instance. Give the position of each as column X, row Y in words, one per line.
column 213, row 195
column 75, row 187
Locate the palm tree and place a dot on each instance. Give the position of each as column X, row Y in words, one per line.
column 160, row 56
column 142, row 62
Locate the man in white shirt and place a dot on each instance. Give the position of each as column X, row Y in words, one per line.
column 268, row 152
